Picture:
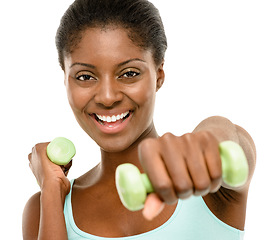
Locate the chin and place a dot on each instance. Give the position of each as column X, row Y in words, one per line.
column 115, row 146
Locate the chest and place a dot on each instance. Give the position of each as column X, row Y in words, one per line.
column 93, row 213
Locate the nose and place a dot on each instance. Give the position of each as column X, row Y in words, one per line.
column 108, row 92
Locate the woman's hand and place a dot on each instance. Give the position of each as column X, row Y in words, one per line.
column 179, row 167
column 47, row 173
column 43, row 216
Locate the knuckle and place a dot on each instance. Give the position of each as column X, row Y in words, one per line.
column 168, row 140
column 183, row 187
column 215, row 185
column 208, row 139
column 188, row 141
column 163, row 188
column 205, row 134
column 39, row 147
column 187, row 137
column 208, row 135
column 166, row 193
column 202, row 185
column 168, row 136
column 216, row 175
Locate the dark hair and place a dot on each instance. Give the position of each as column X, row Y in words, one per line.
column 139, row 17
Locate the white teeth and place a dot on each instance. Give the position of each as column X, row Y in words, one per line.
column 112, row 118
column 109, row 119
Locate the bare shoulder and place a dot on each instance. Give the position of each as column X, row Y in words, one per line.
column 31, row 217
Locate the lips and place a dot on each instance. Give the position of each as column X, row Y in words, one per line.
column 112, row 124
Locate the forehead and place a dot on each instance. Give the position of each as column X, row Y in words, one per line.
column 107, row 43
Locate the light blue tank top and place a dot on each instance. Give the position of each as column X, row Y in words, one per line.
column 192, row 220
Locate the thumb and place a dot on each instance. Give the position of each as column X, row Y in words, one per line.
column 152, row 206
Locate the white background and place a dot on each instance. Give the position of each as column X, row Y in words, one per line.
column 216, row 64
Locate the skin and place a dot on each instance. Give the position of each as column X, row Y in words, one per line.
column 107, row 74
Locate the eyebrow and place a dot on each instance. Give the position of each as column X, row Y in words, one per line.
column 83, row 64
column 130, row 60
column 119, row 65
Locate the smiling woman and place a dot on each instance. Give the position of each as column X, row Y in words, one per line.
column 125, row 85
column 112, row 54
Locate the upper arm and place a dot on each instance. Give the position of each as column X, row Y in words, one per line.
column 31, row 218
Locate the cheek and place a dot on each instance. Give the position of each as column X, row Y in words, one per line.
column 77, row 97
column 144, row 97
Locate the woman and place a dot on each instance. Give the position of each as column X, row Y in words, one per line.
column 112, row 54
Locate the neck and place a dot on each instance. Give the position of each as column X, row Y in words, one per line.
column 110, row 160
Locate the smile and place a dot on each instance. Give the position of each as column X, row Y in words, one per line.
column 112, row 118
column 112, row 124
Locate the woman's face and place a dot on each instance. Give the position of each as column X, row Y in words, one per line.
column 111, row 85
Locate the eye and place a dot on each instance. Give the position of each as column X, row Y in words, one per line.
column 84, row 76
column 130, row 74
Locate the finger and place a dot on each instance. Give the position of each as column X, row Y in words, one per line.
column 176, row 166
column 66, row 168
column 153, row 165
column 214, row 166
column 198, row 169
column 153, row 206
column 67, row 185
column 69, row 165
column 39, row 149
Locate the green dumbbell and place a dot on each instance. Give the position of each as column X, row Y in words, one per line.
column 61, row 151
column 133, row 187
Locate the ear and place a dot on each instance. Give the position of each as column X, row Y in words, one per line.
column 160, row 76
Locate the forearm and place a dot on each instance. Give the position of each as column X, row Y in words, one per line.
column 52, row 222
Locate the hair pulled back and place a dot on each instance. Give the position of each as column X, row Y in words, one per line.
column 139, row 17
